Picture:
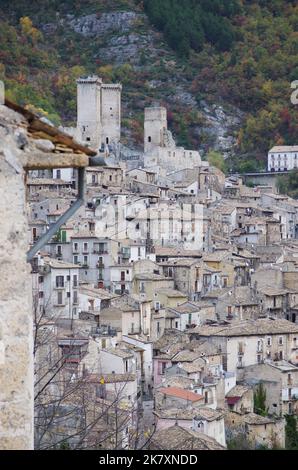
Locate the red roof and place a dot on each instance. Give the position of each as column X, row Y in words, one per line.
column 232, row 400
column 181, row 393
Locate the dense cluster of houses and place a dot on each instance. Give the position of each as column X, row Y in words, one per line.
column 171, row 296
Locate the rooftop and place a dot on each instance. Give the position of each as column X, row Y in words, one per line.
column 248, row 328
column 237, row 391
column 284, row 148
column 178, row 438
column 181, row 393
column 254, row 419
column 124, row 354
column 111, row 378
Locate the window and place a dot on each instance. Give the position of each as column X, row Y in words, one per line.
column 75, row 296
column 40, row 294
column 59, row 250
column 280, row 340
column 85, row 247
column 75, row 259
column 75, row 280
column 126, row 365
column 162, row 367
column 206, row 397
column 149, row 138
column 85, row 260
column 59, row 298
column 59, row 281
column 176, row 325
column 132, row 328
column 110, row 177
column 189, row 318
column 269, row 341
column 142, row 287
column 158, row 327
column 40, row 280
column 75, row 247
column 58, row 174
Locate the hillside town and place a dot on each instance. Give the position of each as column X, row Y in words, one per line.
column 164, row 292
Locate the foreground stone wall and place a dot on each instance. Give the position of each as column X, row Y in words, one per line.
column 16, row 358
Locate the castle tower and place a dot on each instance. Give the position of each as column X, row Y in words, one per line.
column 110, row 113
column 155, row 127
column 89, row 110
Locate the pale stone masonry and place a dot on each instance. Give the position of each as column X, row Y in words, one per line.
column 16, row 356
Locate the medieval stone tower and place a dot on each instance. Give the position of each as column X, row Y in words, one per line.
column 110, row 113
column 155, row 127
column 88, row 110
column 98, row 112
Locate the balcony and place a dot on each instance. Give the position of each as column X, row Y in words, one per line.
column 99, row 251
column 104, row 330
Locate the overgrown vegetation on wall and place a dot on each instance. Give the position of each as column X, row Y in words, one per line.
column 288, row 184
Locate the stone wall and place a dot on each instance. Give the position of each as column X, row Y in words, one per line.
column 16, row 358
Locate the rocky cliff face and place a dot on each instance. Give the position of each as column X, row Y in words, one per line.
column 126, row 37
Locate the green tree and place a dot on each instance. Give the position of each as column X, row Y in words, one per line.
column 217, row 160
column 291, row 433
column 260, row 400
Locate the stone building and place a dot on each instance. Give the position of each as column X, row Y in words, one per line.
column 283, row 158
column 280, row 381
column 259, row 431
column 205, row 420
column 249, row 342
column 159, row 146
column 99, row 111
column 55, row 288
